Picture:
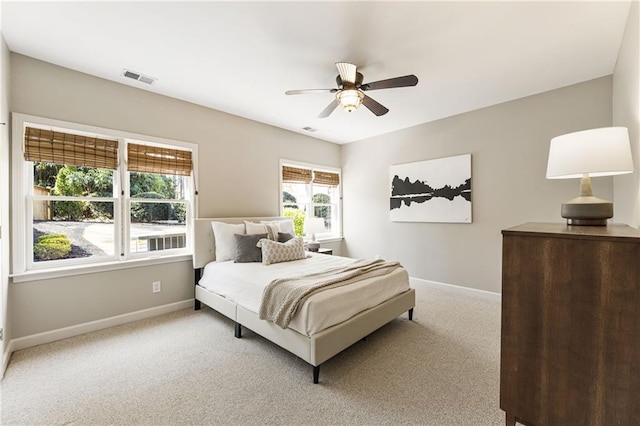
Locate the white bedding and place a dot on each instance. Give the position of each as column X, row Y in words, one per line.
column 243, row 284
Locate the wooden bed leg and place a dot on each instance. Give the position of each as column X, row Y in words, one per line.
column 410, row 314
column 238, row 331
column 196, row 305
column 316, row 374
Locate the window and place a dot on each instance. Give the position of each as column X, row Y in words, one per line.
column 92, row 195
column 310, row 191
column 158, row 181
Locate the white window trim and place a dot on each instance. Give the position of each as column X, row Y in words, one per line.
column 22, row 211
column 96, row 267
column 320, row 167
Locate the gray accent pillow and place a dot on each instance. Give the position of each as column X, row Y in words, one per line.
column 247, row 249
column 283, row 237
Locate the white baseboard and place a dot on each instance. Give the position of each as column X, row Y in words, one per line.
column 87, row 327
column 455, row 289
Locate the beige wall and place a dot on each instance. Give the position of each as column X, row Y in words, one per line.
column 45, row 305
column 227, row 145
column 509, row 145
column 626, row 112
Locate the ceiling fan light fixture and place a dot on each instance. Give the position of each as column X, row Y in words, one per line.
column 350, row 90
column 350, row 99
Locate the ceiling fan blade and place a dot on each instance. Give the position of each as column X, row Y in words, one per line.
column 347, row 72
column 306, row 91
column 405, row 81
column 375, row 107
column 329, row 109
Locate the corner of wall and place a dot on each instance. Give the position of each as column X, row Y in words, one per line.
column 626, row 112
column 4, row 202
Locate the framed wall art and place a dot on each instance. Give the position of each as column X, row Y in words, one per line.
column 437, row 190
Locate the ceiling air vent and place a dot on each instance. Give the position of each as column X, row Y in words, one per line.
column 138, row 77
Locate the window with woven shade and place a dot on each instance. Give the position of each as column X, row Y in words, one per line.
column 164, row 204
column 98, row 195
column 310, row 191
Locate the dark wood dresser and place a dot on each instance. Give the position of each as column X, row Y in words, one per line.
column 570, row 347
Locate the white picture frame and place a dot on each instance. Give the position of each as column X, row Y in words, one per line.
column 437, row 190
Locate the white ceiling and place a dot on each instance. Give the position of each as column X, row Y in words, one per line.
column 241, row 57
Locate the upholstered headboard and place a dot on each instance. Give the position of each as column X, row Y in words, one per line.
column 204, row 246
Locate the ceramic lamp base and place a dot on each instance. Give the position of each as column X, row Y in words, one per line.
column 587, row 211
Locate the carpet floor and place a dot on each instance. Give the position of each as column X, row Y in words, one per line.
column 187, row 368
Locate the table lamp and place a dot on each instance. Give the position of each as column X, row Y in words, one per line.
column 313, row 226
column 585, row 154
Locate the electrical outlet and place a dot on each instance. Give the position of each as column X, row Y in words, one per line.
column 156, row 286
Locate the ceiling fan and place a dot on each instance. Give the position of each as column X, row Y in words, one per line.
column 350, row 91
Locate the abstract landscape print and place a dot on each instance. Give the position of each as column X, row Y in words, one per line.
column 436, row 190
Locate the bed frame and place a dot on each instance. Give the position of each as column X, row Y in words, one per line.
column 315, row 349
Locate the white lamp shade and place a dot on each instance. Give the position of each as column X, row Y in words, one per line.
column 596, row 152
column 314, row 225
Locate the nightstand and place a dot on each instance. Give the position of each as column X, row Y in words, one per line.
column 325, row 251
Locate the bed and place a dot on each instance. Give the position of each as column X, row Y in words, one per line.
column 309, row 335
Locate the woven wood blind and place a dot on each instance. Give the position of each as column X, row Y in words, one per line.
column 326, row 178
column 295, row 174
column 153, row 159
column 66, row 148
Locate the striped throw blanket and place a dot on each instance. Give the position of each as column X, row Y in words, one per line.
column 282, row 298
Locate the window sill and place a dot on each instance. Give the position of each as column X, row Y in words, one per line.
column 45, row 274
column 330, row 240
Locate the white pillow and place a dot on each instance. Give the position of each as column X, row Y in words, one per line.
column 286, row 225
column 275, row 252
column 223, row 234
column 254, row 228
column 269, row 228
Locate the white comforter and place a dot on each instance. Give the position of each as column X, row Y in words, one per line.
column 243, row 284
